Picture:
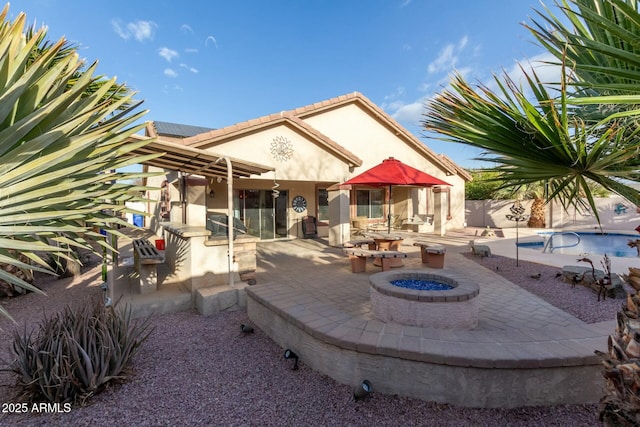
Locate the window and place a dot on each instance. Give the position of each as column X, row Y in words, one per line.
column 323, row 204
column 370, row 203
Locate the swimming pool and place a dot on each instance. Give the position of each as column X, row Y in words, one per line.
column 612, row 244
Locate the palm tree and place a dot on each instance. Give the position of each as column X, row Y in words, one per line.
column 63, row 133
column 534, row 141
column 601, row 47
column 550, row 138
column 602, row 50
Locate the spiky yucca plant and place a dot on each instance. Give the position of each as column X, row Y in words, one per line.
column 76, row 352
column 63, row 135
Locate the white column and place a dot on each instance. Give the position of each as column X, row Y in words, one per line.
column 339, row 217
column 440, row 207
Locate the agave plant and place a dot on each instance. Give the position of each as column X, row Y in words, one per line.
column 64, row 134
column 75, row 353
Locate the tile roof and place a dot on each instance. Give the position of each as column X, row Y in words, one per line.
column 295, row 119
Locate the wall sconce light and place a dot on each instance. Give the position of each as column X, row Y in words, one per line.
column 212, row 194
column 288, row 354
column 362, row 390
column 108, row 302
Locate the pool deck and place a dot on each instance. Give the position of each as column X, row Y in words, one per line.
column 523, row 352
column 506, row 247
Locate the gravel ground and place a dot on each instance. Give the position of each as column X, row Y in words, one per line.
column 196, row 370
column 579, row 301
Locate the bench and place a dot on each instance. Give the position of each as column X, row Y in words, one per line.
column 359, row 257
column 432, row 254
column 359, row 243
column 146, row 259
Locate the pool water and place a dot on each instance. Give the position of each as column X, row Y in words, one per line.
column 421, row 284
column 612, row 244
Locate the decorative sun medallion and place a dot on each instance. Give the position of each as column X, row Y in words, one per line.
column 281, row 148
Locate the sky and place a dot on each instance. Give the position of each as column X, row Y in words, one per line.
column 215, row 63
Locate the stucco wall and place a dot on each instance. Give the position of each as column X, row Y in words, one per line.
column 308, row 162
column 359, row 132
column 492, row 213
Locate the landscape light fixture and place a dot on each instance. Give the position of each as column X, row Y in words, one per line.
column 362, row 390
column 108, row 302
column 247, row 329
column 288, row 354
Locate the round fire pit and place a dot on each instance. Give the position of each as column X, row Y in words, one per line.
column 421, row 298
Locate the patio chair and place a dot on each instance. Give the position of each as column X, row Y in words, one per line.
column 309, row 227
column 359, row 225
column 396, row 224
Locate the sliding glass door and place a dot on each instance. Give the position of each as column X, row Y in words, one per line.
column 263, row 215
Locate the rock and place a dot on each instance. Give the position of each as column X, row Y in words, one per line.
column 488, row 232
column 9, row 290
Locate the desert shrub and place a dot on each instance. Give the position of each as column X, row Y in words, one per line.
column 76, row 352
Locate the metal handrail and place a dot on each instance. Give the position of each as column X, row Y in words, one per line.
column 549, row 243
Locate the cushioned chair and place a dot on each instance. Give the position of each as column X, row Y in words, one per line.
column 309, row 227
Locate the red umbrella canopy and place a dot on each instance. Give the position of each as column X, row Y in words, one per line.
column 394, row 172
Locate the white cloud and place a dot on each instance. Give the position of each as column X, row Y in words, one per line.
column 193, row 70
column 405, row 3
column 139, row 30
column 448, row 57
column 167, row 53
column 186, row 29
column 213, row 39
column 547, row 74
column 411, row 112
column 191, row 50
column 172, row 88
column 121, row 32
column 170, row 73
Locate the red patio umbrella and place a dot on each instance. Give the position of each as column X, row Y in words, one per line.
column 393, row 172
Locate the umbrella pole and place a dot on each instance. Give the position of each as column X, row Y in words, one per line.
column 389, row 213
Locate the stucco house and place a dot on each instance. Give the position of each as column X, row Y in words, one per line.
column 299, row 158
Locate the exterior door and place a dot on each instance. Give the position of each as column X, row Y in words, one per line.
column 263, row 215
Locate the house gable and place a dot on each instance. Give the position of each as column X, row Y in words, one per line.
column 309, row 155
column 312, row 113
column 222, row 136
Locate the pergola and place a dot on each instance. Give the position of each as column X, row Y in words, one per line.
column 195, row 161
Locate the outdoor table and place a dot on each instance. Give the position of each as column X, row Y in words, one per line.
column 387, row 242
